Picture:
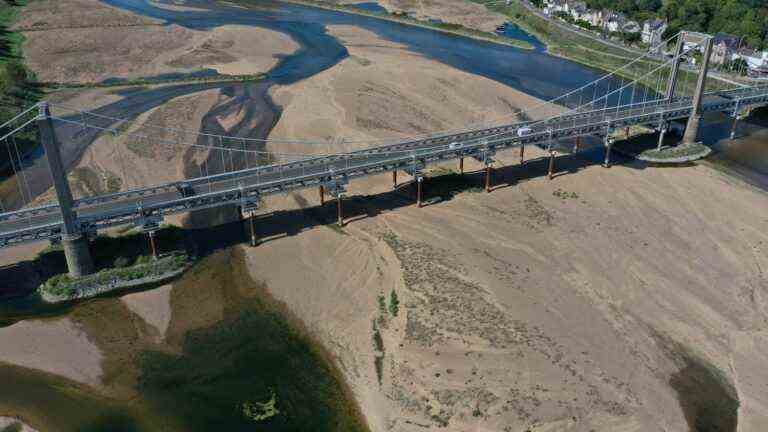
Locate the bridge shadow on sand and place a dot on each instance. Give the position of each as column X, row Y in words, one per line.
column 22, row 278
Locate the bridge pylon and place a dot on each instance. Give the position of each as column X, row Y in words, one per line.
column 73, row 240
column 692, row 129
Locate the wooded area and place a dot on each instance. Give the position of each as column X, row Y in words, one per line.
column 744, row 18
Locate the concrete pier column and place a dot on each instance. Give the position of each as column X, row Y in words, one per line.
column 522, row 154
column 394, row 179
column 77, row 253
column 252, row 223
column 692, row 129
column 577, row 144
column 734, row 125
column 488, row 178
column 322, row 195
column 153, row 244
column 419, row 181
column 662, row 133
column 75, row 244
column 608, row 145
column 340, row 214
column 461, row 165
column 551, row 171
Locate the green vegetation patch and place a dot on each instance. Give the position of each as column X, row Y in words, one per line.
column 676, row 154
column 18, row 89
column 144, row 267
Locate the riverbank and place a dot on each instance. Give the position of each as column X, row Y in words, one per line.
column 444, row 27
column 18, row 90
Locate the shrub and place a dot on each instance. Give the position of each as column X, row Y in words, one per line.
column 394, row 303
column 122, row 262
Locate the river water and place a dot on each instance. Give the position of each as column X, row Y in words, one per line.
column 187, row 383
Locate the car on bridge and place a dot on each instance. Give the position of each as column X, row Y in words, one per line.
column 523, row 131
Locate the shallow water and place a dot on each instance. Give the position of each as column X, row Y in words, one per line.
column 228, row 345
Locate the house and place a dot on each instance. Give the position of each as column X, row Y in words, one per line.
column 595, row 18
column 653, row 31
column 553, row 6
column 724, row 46
column 631, row 27
column 612, row 21
column 578, row 11
column 757, row 61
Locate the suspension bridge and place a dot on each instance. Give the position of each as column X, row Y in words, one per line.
column 646, row 91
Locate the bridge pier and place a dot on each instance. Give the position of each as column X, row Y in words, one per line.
column 340, row 214
column 608, row 145
column 522, row 154
column 692, row 129
column 322, row 195
column 662, row 132
column 488, row 178
column 577, row 144
column 734, row 126
column 152, row 244
column 77, row 254
column 394, row 179
column 461, row 165
column 419, row 181
column 551, row 171
column 252, row 223
column 74, row 242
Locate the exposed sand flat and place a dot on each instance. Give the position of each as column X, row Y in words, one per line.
column 176, row 5
column 468, row 14
column 153, row 306
column 385, row 91
column 546, row 305
column 138, row 162
column 254, row 50
column 55, row 346
column 100, row 52
column 44, row 14
column 127, row 160
column 749, row 358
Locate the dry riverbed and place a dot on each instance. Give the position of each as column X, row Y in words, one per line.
column 585, row 303
column 582, row 303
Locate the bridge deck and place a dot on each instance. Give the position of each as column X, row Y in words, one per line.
column 245, row 186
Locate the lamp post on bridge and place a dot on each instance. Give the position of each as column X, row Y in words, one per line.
column 74, row 242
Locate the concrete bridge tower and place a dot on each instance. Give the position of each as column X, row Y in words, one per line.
column 692, row 129
column 74, row 241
